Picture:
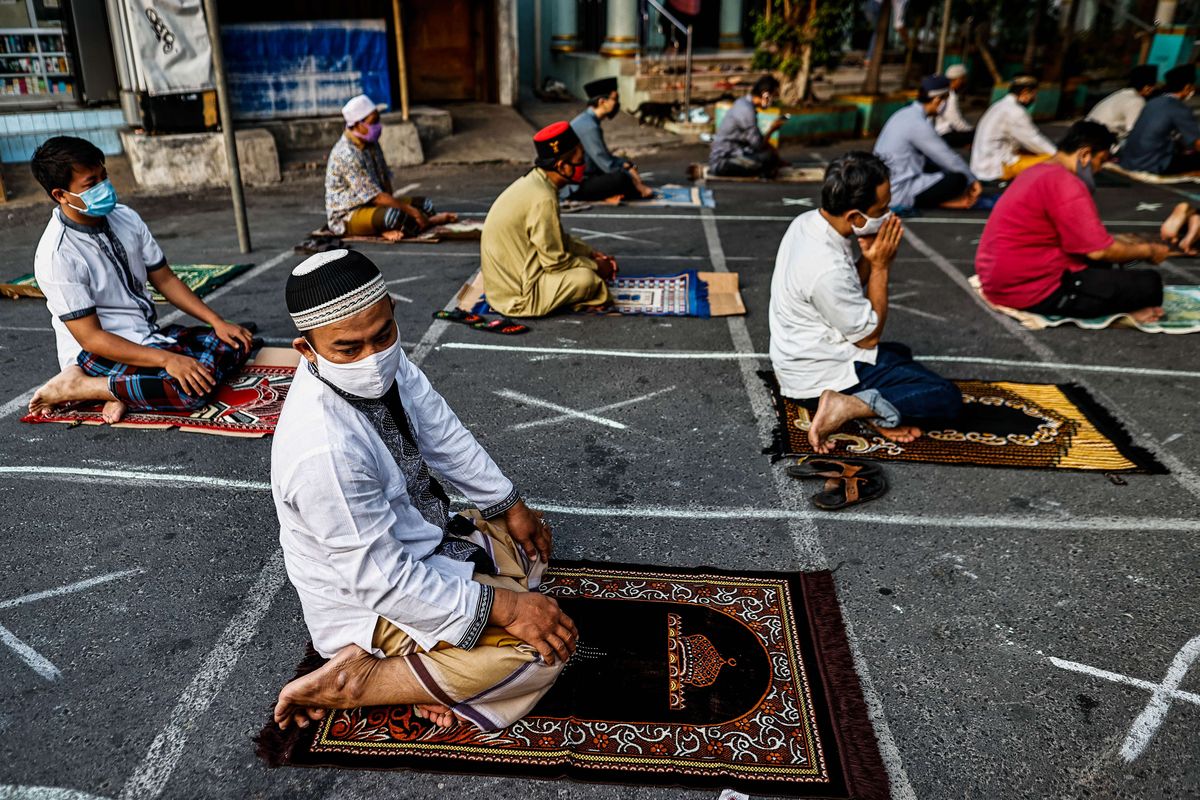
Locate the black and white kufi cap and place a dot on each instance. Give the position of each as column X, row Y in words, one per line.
column 329, row 287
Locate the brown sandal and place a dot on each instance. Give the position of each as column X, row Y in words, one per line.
column 850, row 490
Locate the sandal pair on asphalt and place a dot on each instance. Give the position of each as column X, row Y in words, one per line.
column 848, row 482
column 503, row 325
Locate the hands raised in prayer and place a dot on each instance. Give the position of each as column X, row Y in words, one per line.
column 880, row 249
column 529, row 530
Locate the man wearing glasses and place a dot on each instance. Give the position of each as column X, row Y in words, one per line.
column 531, row 266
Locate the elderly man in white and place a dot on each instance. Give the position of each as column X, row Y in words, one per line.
column 950, row 124
column 1007, row 141
column 411, row 605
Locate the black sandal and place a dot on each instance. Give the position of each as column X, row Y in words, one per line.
column 850, row 490
column 816, row 467
column 458, row 315
column 503, row 326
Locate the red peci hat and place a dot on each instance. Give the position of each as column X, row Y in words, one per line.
column 555, row 140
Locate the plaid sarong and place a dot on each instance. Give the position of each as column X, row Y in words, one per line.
column 150, row 389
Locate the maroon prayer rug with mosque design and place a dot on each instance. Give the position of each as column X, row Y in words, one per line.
column 697, row 678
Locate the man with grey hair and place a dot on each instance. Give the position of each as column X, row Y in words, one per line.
column 410, row 604
column 950, row 124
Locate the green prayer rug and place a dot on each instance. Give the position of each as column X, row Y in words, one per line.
column 200, row 278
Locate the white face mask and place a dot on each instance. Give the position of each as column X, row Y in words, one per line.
column 873, row 224
column 368, row 377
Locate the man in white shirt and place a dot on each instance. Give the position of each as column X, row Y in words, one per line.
column 410, row 604
column 950, row 124
column 1119, row 111
column 1007, row 141
column 827, row 314
column 92, row 264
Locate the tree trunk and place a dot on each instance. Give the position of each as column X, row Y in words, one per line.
column 986, row 54
column 871, row 84
column 1070, row 9
column 1031, row 41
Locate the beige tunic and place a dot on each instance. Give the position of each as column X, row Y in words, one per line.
column 531, row 266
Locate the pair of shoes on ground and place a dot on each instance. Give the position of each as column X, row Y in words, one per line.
column 503, row 325
column 848, row 482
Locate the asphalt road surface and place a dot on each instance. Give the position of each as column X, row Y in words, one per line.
column 1010, row 625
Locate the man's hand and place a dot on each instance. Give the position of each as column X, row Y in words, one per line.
column 529, row 530
column 606, row 266
column 194, row 378
column 774, row 126
column 417, row 216
column 233, row 334
column 880, row 249
column 1157, row 253
column 535, row 619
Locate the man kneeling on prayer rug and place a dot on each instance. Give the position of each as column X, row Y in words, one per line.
column 410, row 604
column 92, row 264
column 828, row 312
column 531, row 267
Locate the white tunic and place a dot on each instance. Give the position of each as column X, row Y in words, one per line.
column 818, row 310
column 355, row 546
column 1003, row 132
column 80, row 272
column 951, row 118
column 1119, row 111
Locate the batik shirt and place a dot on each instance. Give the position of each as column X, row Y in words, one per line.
column 361, row 520
column 353, row 178
column 102, row 270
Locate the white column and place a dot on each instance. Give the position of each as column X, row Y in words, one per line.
column 731, row 25
column 565, row 38
column 621, row 39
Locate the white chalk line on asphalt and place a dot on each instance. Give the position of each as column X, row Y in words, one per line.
column 32, row 658
column 701, row 355
column 1179, row 471
column 1047, row 522
column 72, row 588
column 801, row 526
column 150, row 779
column 21, row 401
column 644, row 216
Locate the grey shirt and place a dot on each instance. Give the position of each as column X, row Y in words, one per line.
column 738, row 134
column 599, row 159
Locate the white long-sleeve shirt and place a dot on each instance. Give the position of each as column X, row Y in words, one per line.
column 1003, row 132
column 1119, row 111
column 818, row 310
column 355, row 546
column 951, row 118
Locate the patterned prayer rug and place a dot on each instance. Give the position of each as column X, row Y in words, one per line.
column 794, row 174
column 698, row 678
column 1003, row 424
column 247, row 406
column 686, row 294
column 200, row 278
column 1150, row 177
column 672, row 196
column 463, row 230
column 1181, row 305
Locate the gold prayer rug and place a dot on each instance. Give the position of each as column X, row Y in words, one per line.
column 1003, row 424
column 699, row 678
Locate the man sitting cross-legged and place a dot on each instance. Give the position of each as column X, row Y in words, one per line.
column 1045, row 250
column 605, row 175
column 739, row 148
column 531, row 267
column 1165, row 139
column 92, row 264
column 827, row 313
column 1006, row 139
column 359, row 199
column 411, row 605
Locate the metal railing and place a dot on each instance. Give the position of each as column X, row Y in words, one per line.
column 644, row 34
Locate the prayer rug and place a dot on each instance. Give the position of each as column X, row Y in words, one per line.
column 700, row 678
column 686, row 294
column 1003, row 424
column 672, row 196
column 1181, row 305
column 470, row 230
column 795, row 174
column 200, row 278
column 246, row 406
column 1150, row 177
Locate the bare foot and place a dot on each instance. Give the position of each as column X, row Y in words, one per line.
column 1188, row 243
column 70, row 385
column 901, row 433
column 439, row 715
column 392, row 236
column 1173, row 225
column 833, row 411
column 1152, row 314
column 338, row 684
column 113, row 411
column 443, row 219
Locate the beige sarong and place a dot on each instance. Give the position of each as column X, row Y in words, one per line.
column 501, row 678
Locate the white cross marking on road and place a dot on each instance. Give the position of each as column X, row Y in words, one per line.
column 616, row 235
column 1162, row 694
column 1149, row 206
column 807, row 202
column 35, row 660
column 565, row 413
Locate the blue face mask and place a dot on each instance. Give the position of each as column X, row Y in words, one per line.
column 98, row 201
column 1084, row 171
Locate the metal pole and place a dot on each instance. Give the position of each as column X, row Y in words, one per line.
column 401, row 62
column 227, row 132
column 687, row 81
column 537, row 44
column 945, row 35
